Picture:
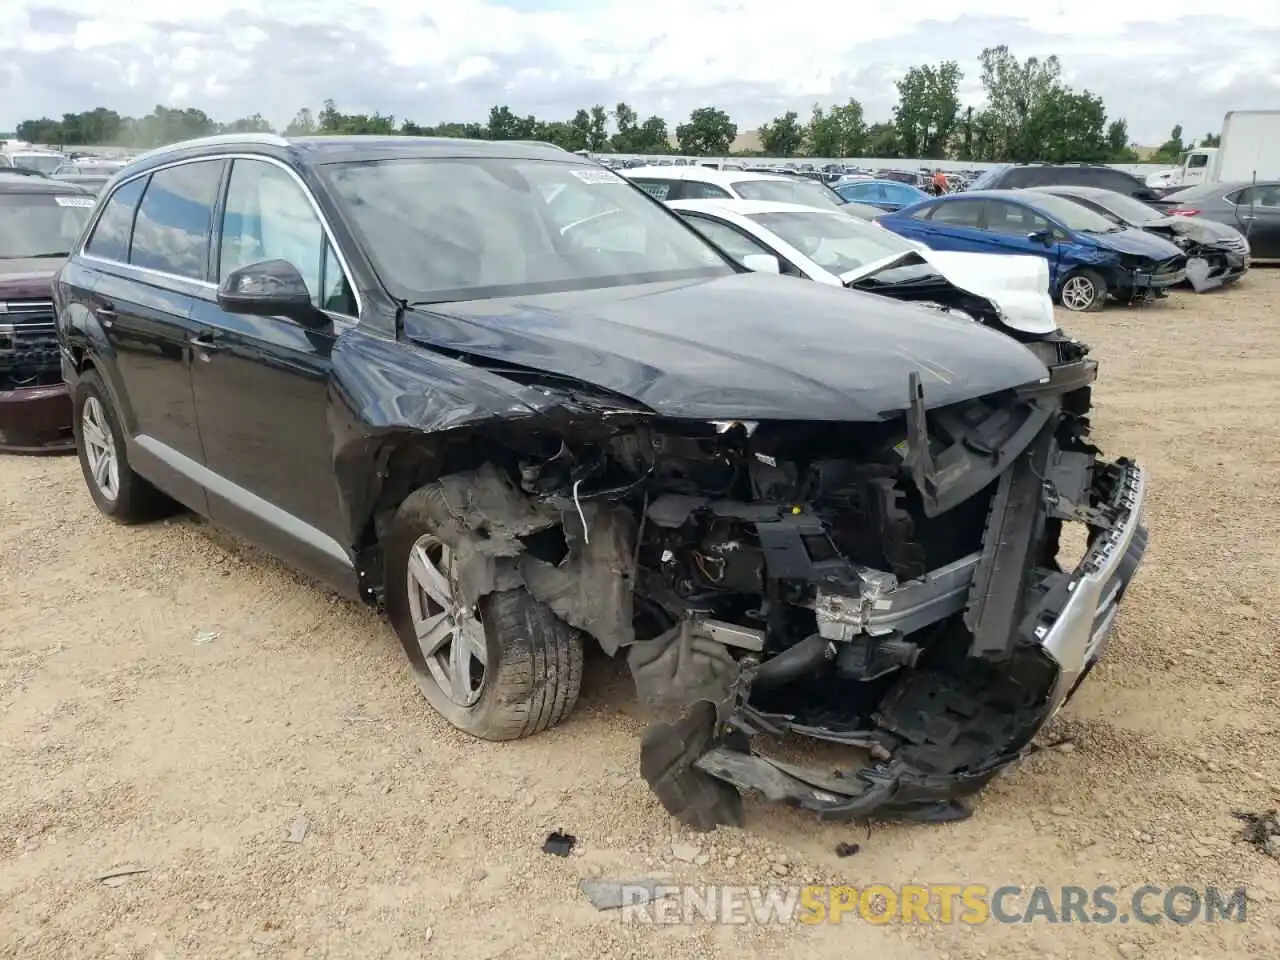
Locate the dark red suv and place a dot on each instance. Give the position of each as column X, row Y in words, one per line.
column 40, row 220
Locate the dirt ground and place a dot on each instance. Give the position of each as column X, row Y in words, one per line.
column 175, row 700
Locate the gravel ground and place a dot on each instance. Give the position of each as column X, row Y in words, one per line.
column 173, row 699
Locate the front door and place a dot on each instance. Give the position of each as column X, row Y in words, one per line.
column 1258, row 217
column 262, row 385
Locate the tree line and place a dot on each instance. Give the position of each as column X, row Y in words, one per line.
column 1029, row 113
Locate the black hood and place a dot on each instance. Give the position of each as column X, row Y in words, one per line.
column 747, row 346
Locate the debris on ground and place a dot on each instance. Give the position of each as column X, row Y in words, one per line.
column 847, row 849
column 686, row 852
column 297, row 830
column 206, row 636
column 1262, row 830
column 612, row 894
column 120, row 875
column 559, row 843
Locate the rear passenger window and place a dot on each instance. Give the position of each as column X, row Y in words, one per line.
column 962, row 213
column 1020, row 177
column 174, row 219
column 696, row 190
column 110, row 239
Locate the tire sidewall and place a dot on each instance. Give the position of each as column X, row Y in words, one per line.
column 410, row 523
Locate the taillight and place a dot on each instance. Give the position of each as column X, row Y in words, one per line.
column 1184, row 212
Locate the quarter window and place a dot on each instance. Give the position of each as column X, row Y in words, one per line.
column 729, row 239
column 964, row 213
column 658, row 189
column 110, row 239
column 171, row 233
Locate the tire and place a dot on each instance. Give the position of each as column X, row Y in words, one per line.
column 532, row 671
column 1083, row 291
column 126, row 497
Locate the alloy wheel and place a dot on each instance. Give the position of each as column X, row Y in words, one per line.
column 100, row 449
column 450, row 632
column 1078, row 293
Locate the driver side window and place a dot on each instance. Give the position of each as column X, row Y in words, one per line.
column 268, row 217
column 736, row 244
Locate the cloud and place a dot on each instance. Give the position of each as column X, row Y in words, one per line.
column 437, row 60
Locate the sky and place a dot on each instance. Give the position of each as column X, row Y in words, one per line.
column 1154, row 63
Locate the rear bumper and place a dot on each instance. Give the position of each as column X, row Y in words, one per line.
column 36, row 420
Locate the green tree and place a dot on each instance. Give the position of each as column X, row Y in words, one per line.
column 1016, row 90
column 709, row 132
column 782, row 136
column 1118, row 147
column 303, row 124
column 505, row 125
column 927, row 110
column 1070, row 127
column 882, row 141
column 840, row 131
column 626, row 121
column 1211, row 140
column 1171, row 150
column 598, row 129
column 653, row 136
column 254, row 124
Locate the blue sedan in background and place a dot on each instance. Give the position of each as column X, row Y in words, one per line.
column 1090, row 257
column 888, row 195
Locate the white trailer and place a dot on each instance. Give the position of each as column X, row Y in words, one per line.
column 1249, row 150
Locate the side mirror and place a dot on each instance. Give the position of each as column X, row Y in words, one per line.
column 1040, row 236
column 272, row 288
column 762, row 263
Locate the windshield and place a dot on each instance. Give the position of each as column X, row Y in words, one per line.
column 1073, row 216
column 44, row 163
column 468, row 228
column 835, row 243
column 987, row 177
column 40, row 224
column 800, row 190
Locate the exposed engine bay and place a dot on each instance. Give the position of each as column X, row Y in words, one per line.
column 1215, row 255
column 891, row 586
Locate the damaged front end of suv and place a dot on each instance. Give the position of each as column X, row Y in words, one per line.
column 892, row 586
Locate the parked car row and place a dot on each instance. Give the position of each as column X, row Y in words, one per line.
column 503, row 395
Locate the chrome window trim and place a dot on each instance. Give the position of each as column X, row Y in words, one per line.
column 205, row 284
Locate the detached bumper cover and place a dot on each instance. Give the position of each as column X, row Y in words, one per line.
column 933, row 721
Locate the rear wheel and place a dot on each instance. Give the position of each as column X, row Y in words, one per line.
column 500, row 669
column 121, row 494
column 1083, row 291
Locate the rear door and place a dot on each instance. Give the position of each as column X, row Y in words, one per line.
column 1258, row 218
column 150, row 251
column 952, row 225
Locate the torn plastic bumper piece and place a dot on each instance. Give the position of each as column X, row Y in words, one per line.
column 890, row 791
column 1072, row 623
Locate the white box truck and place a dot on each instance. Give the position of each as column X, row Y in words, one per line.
column 1249, row 149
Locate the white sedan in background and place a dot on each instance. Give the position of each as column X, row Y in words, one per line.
column 828, row 247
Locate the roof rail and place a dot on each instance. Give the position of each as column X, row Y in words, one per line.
column 218, row 140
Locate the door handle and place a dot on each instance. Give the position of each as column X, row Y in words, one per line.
column 105, row 312
column 1247, row 216
column 203, row 341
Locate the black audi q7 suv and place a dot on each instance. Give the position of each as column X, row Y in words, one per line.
column 511, row 399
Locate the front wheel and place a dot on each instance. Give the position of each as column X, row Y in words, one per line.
column 500, row 669
column 1083, row 291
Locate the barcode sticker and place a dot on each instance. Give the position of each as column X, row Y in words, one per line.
column 74, row 201
column 596, row 176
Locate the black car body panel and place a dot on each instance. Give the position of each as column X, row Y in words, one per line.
column 792, row 507
column 707, row 350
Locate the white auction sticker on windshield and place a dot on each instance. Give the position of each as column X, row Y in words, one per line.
column 596, row 176
column 73, row 201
